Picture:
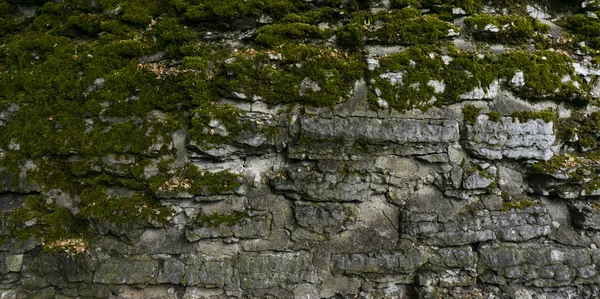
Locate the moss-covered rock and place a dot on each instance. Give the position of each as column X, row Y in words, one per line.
column 397, row 27
column 299, row 74
column 429, row 76
column 511, row 29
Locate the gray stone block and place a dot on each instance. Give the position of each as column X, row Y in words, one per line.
column 508, row 138
column 272, row 269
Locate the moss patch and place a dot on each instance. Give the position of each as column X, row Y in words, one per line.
column 404, row 27
column 470, row 6
column 524, row 116
column 584, row 28
column 421, row 68
column 580, row 131
column 212, row 125
column 196, row 182
column 328, row 74
column 278, row 34
column 494, row 116
column 511, row 29
column 470, row 113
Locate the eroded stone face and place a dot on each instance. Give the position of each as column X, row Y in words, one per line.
column 270, row 270
column 380, row 130
column 509, row 138
column 299, row 149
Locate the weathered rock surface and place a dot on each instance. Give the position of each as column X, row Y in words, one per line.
column 302, row 149
column 509, row 138
column 380, row 130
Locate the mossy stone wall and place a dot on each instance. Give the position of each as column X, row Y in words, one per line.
column 299, row 149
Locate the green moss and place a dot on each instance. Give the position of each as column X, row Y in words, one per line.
column 462, row 72
column 404, row 27
column 512, row 29
column 404, row 3
column 208, row 122
column 518, row 205
column 352, row 34
column 470, row 6
column 278, row 34
column 587, row 142
column 313, row 17
column 219, row 11
column 584, row 28
column 255, row 73
column 543, row 72
column 494, row 116
column 216, row 220
column 10, row 18
column 578, row 169
column 271, row 132
column 551, row 166
column 524, row 116
column 169, row 34
column 212, row 183
column 100, row 207
column 580, row 130
column 196, row 182
column 48, row 222
column 470, row 113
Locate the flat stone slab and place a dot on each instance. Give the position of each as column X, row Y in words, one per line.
column 381, row 130
column 508, row 138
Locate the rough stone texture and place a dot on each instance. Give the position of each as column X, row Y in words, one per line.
column 535, row 265
column 270, row 270
column 342, row 201
column 247, row 228
column 473, row 226
column 305, row 181
column 136, row 270
column 377, row 130
column 201, row 270
column 324, row 217
column 508, row 138
column 381, row 263
column 584, row 216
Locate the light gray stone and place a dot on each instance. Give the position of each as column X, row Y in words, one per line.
column 14, row 262
column 305, row 181
column 508, row 138
column 476, row 180
column 375, row 130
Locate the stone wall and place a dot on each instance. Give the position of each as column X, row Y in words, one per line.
column 396, row 188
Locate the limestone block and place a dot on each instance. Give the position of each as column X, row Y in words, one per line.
column 508, row 138
column 324, row 217
column 380, row 130
column 271, row 269
column 122, row 270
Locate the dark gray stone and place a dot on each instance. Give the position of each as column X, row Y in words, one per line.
column 133, row 270
column 207, row 271
column 381, row 262
column 271, row 269
column 324, row 217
